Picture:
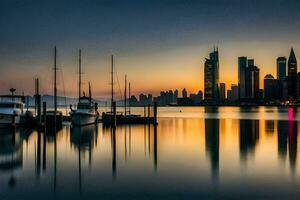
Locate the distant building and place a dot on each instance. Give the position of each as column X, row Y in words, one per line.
column 233, row 93
column 211, row 76
column 242, row 65
column 250, row 62
column 222, row 91
column 281, row 68
column 196, row 98
column 298, row 85
column 143, row 99
column 175, row 96
column 150, row 99
column 200, row 94
column 269, row 86
column 292, row 76
column 184, row 93
column 248, row 77
column 251, row 81
column 133, row 101
column 185, row 101
column 285, row 94
column 279, row 89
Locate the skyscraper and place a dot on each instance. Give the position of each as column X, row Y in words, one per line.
column 281, row 68
column 292, row 75
column 184, row 93
column 211, row 76
column 242, row 64
column 292, row 63
column 232, row 94
column 222, row 91
column 269, row 84
column 175, row 96
column 255, row 72
column 251, row 81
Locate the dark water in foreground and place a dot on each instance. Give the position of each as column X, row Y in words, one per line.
column 225, row 152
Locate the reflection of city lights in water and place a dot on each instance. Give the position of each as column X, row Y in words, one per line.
column 291, row 122
column 291, row 114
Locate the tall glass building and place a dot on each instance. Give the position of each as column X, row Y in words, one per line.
column 211, row 76
column 281, row 68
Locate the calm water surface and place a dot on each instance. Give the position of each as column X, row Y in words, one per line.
column 226, row 152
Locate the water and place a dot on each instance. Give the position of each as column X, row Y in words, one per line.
column 195, row 152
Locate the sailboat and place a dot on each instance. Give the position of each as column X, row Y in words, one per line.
column 54, row 117
column 108, row 118
column 86, row 112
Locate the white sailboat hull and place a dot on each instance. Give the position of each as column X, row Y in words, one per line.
column 81, row 119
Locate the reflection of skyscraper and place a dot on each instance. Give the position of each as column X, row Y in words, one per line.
column 282, row 138
column 249, row 134
column 292, row 136
column 269, row 126
column 212, row 144
column 292, row 75
column 211, row 76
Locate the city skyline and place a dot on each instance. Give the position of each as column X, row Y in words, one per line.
column 162, row 46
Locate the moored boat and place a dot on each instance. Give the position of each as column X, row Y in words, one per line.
column 11, row 109
column 86, row 112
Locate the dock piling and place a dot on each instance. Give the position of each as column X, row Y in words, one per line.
column 37, row 101
column 44, row 112
column 155, row 112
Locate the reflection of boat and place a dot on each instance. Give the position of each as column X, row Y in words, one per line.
column 83, row 136
column 11, row 151
column 12, row 110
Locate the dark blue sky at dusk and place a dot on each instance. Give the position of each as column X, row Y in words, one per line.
column 144, row 29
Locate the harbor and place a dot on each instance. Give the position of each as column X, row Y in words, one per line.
column 13, row 114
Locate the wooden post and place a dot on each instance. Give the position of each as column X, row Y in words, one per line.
column 155, row 147
column 38, row 101
column 144, row 110
column 44, row 112
column 149, row 111
column 155, row 113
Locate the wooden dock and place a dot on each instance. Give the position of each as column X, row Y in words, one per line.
column 113, row 118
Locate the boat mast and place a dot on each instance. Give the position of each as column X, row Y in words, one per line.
column 90, row 91
column 112, row 82
column 129, row 93
column 55, row 89
column 125, row 94
column 79, row 82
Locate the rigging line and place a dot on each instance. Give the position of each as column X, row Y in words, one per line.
column 119, row 85
column 64, row 89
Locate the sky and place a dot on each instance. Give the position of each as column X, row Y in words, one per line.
column 160, row 45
